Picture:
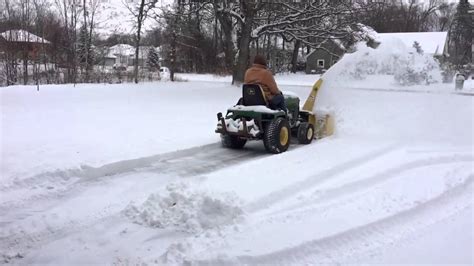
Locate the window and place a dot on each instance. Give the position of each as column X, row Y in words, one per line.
column 321, row 63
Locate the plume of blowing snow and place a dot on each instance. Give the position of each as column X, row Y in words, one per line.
column 366, row 94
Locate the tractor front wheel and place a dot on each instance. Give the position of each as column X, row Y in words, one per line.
column 305, row 133
column 277, row 136
column 232, row 142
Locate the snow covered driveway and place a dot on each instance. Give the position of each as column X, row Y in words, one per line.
column 129, row 174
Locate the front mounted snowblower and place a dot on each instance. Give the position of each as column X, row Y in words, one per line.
column 253, row 120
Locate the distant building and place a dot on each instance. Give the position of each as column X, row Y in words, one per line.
column 22, row 36
column 24, row 41
column 324, row 57
column 118, row 55
column 22, row 46
column 123, row 55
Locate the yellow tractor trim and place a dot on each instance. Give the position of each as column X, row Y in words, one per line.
column 309, row 104
column 323, row 123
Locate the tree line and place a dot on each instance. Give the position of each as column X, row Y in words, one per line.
column 220, row 36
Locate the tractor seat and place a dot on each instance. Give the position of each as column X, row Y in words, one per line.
column 252, row 94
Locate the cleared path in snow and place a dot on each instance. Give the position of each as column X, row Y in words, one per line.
column 187, row 162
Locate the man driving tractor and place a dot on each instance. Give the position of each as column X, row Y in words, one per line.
column 259, row 74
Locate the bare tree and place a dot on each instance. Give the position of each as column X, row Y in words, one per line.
column 406, row 16
column 140, row 13
column 222, row 10
column 68, row 10
column 25, row 9
column 444, row 16
column 9, row 63
column 309, row 22
column 89, row 10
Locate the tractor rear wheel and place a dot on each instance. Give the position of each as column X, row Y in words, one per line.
column 232, row 142
column 305, row 133
column 277, row 136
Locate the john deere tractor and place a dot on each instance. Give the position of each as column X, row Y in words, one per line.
column 252, row 119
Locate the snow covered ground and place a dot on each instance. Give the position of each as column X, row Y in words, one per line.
column 128, row 174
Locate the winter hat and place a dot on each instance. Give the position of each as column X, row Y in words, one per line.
column 259, row 59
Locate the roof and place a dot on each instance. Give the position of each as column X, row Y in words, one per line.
column 121, row 49
column 337, row 42
column 22, row 36
column 430, row 42
column 128, row 50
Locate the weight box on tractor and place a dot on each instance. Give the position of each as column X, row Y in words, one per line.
column 252, row 119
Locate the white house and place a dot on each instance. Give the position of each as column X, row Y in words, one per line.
column 119, row 55
column 123, row 55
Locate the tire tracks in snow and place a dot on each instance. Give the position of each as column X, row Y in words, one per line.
column 313, row 180
column 348, row 191
column 370, row 236
column 23, row 243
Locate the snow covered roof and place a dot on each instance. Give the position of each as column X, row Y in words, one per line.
column 121, row 49
column 339, row 43
column 22, row 36
column 128, row 50
column 336, row 42
column 430, row 42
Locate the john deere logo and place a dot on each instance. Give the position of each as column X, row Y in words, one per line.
column 251, row 92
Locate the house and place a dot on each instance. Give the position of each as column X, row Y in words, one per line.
column 119, row 55
column 322, row 58
column 22, row 41
column 22, row 36
column 21, row 46
column 123, row 55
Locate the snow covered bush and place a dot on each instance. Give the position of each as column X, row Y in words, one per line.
column 419, row 70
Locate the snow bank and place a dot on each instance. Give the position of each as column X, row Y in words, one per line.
column 186, row 210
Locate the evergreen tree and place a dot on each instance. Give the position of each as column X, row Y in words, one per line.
column 153, row 60
column 84, row 50
column 460, row 35
column 417, row 46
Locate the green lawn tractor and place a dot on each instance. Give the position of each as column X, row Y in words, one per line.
column 252, row 119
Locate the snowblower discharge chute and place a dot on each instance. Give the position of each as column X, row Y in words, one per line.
column 252, row 119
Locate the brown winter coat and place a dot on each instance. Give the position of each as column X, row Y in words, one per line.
column 259, row 74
